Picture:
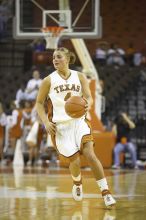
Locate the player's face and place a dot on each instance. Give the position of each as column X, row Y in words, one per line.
column 59, row 60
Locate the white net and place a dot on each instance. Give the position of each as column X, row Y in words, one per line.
column 52, row 36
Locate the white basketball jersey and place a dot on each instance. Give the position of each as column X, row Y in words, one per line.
column 60, row 90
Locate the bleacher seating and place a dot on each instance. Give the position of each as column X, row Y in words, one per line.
column 126, row 92
column 124, row 86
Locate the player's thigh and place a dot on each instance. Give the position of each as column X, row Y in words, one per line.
column 65, row 140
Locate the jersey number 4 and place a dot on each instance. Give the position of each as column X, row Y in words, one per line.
column 68, row 95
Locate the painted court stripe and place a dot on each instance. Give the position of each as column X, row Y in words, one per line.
column 28, row 193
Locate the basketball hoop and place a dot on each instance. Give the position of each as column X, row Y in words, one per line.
column 52, row 35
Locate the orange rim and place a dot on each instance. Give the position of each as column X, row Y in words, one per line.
column 52, row 29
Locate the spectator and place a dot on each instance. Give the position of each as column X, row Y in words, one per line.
column 33, row 86
column 115, row 59
column 100, row 55
column 111, row 50
column 20, row 94
column 115, row 56
column 15, row 130
column 137, row 59
column 3, row 122
column 5, row 14
column 26, row 113
column 130, row 54
column 143, row 51
column 122, row 126
column 2, row 21
column 38, row 45
column 121, row 52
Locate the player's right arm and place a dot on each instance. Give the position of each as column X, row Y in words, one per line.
column 129, row 121
column 41, row 97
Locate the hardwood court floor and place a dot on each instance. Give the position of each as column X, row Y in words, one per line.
column 45, row 194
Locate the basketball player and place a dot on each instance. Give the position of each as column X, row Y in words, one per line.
column 70, row 136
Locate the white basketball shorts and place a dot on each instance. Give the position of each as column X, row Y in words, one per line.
column 71, row 136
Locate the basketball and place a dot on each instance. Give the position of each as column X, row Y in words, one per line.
column 75, row 106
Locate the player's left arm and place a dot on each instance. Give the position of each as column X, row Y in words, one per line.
column 86, row 89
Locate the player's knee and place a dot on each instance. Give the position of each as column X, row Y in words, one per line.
column 89, row 154
column 75, row 161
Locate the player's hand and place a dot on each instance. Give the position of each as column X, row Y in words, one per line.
column 87, row 106
column 50, row 128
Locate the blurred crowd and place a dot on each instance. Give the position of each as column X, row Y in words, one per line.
column 115, row 55
column 23, row 124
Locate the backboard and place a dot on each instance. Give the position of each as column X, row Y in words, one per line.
column 80, row 18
